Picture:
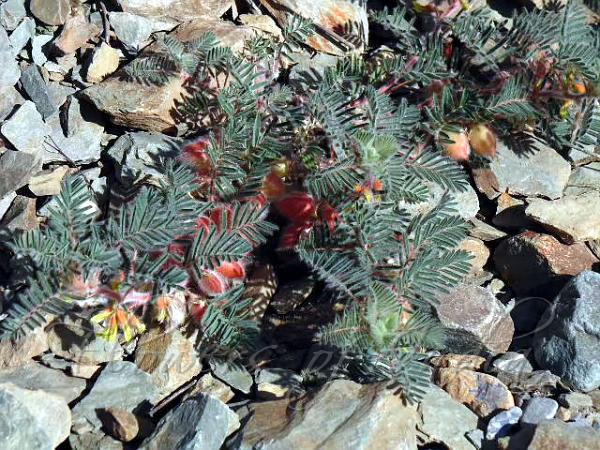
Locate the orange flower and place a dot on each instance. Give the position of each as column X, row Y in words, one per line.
column 232, row 270
column 115, row 318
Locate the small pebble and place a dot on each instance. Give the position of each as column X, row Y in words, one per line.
column 538, row 409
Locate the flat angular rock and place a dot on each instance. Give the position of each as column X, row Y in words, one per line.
column 538, row 263
column 39, row 50
column 174, row 12
column 207, row 384
column 572, row 218
column 232, row 373
column 76, row 32
column 37, row 90
column 538, row 409
column 133, row 31
column 569, row 345
column 150, row 107
column 120, row 385
column 11, row 13
column 9, row 100
column 446, row 420
column 22, row 35
column 32, row 420
column 170, row 358
column 202, row 422
column 277, row 383
column 482, row 393
column 104, row 61
column 26, row 129
column 330, row 16
column 512, row 363
column 340, row 415
column 16, row 169
column 34, row 376
column 475, row 320
column 542, row 173
column 555, row 434
column 478, row 250
column 502, row 423
column 48, row 182
column 584, row 179
column 18, row 353
column 10, row 73
column 51, row 12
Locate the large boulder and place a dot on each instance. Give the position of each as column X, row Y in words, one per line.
column 475, row 320
column 555, row 434
column 568, row 339
column 173, row 12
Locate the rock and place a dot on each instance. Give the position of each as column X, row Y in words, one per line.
column 75, row 338
column 445, row 420
column 35, row 87
column 577, row 402
column 329, row 16
column 478, row 250
column 16, row 169
column 94, row 440
column 341, row 414
column 539, row 381
column 207, row 384
column 481, row 392
column 22, row 35
column 123, row 425
column 173, row 12
column 6, row 202
column 291, row 295
column 26, row 130
column 17, row 353
column 584, row 179
column 563, row 414
column 475, row 320
column 542, row 173
column 569, row 345
column 105, row 61
column 202, row 422
column 569, row 217
column 595, row 395
column 232, row 373
column 34, row 376
column 170, row 358
column 466, row 203
column 12, row 12
column 48, row 182
column 539, row 409
column 134, row 155
column 485, row 232
column 531, row 262
column 133, row 31
column 512, row 363
column 85, row 371
column 475, row 437
column 38, row 49
column 455, row 361
column 76, row 32
column 276, row 383
column 32, row 420
column 150, row 107
column 263, row 23
column 21, row 214
column 9, row 98
column 261, row 285
column 51, row 12
column 10, row 73
column 120, row 385
column 510, row 213
column 555, row 434
column 502, row 423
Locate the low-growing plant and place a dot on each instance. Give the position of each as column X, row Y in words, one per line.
column 340, row 156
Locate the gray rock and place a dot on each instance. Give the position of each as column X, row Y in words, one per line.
column 51, row 12
column 555, row 434
column 446, row 420
column 512, row 363
column 11, row 13
column 26, row 130
column 475, row 437
column 120, row 385
column 22, row 34
column 584, row 179
column 502, row 423
column 9, row 100
column 75, row 338
column 475, row 320
column 37, row 90
column 538, row 409
column 19, row 352
column 542, row 173
column 570, row 345
column 34, row 376
column 6, row 202
column 277, row 383
column 484, row 231
column 134, row 155
column 32, row 420
column 38, row 48
column 132, row 30
column 466, row 202
column 10, row 73
column 340, row 415
column 199, row 423
column 539, row 381
column 168, row 13
column 577, row 402
column 94, row 440
column 569, row 217
column 16, row 169
column 232, row 373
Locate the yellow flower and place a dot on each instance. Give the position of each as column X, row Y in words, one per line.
column 115, row 318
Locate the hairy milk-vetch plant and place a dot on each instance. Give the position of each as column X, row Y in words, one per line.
column 337, row 155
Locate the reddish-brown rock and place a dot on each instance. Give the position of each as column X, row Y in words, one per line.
column 454, row 361
column 532, row 262
column 76, row 32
